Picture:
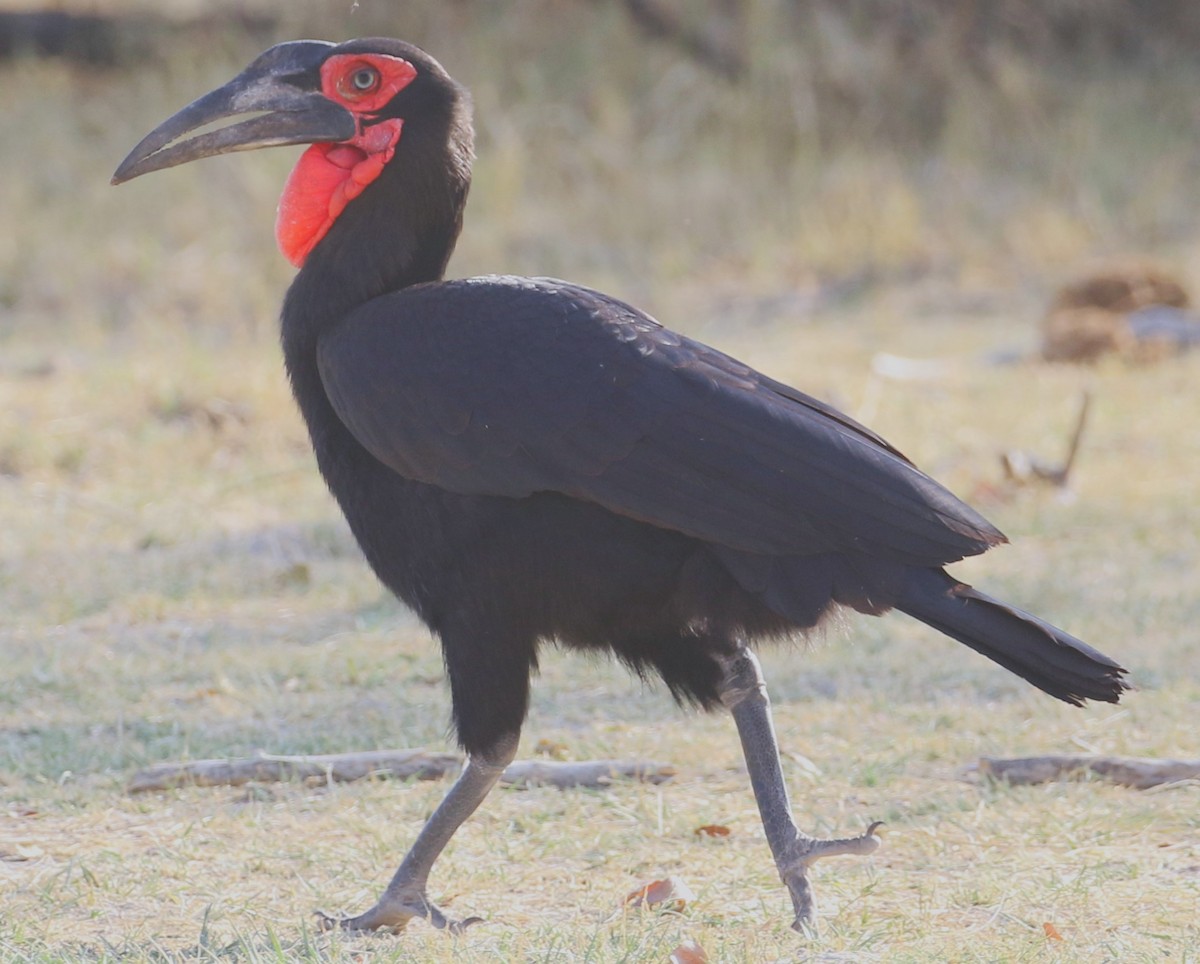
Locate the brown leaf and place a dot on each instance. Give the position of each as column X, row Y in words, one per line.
column 552, row 749
column 1051, row 932
column 689, row 952
column 712, row 830
column 670, row 893
column 297, row 575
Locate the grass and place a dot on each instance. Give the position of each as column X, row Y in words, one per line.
column 177, row 584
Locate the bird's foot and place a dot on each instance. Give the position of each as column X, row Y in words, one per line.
column 392, row 914
column 803, row 852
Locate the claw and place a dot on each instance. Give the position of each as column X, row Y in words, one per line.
column 860, row 846
column 405, row 897
column 805, row 928
column 392, row 919
column 357, row 925
column 806, row 851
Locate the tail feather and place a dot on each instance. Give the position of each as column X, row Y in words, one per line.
column 1050, row 659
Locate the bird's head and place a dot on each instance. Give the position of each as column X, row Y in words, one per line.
column 353, row 102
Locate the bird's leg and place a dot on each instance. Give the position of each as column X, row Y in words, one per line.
column 405, row 896
column 744, row 692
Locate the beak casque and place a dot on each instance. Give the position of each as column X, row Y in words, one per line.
column 294, row 115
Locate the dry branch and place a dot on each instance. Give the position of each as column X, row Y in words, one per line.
column 583, row 773
column 1020, row 467
column 1141, row 773
column 401, row 764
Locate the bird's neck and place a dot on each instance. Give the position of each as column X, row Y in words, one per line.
column 335, row 281
column 399, row 232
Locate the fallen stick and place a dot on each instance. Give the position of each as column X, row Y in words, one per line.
column 583, row 773
column 1141, row 773
column 1021, row 468
column 398, row 764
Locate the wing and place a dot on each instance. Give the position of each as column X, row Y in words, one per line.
column 507, row 387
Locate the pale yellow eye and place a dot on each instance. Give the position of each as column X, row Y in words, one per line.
column 364, row 80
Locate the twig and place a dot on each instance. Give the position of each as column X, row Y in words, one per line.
column 583, row 773
column 1085, row 404
column 400, row 764
column 1139, row 773
column 1021, row 467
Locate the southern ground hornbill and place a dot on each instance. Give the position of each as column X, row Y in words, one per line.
column 524, row 460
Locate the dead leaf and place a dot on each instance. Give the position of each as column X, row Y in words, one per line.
column 297, row 576
column 1051, row 932
column 712, row 830
column 552, row 749
column 670, row 893
column 689, row 952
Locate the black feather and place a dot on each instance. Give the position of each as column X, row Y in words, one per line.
column 526, row 460
column 1050, row 659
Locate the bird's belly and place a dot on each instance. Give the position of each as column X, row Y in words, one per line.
column 566, row 566
column 550, row 567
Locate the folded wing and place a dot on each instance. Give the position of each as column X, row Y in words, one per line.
column 508, row 387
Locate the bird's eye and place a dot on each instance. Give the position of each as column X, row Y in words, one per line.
column 364, row 80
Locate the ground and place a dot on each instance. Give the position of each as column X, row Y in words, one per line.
column 177, row 584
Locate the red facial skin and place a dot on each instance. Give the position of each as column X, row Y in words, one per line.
column 330, row 175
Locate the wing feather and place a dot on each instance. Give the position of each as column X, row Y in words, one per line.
column 508, row 387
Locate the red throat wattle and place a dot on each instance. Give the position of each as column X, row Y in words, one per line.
column 325, row 179
column 329, row 176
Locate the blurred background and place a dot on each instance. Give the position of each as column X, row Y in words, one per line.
column 966, row 222
column 906, row 208
column 737, row 161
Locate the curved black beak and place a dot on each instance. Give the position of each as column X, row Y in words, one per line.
column 282, row 81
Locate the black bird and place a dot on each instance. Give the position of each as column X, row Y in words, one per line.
column 525, row 460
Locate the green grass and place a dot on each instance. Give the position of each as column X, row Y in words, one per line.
column 176, row 583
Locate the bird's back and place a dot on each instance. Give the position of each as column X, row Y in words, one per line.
column 533, row 454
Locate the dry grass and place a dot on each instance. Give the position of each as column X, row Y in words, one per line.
column 193, row 594
column 176, row 583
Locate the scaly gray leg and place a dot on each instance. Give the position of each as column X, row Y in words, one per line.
column 405, row 897
column 745, row 694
